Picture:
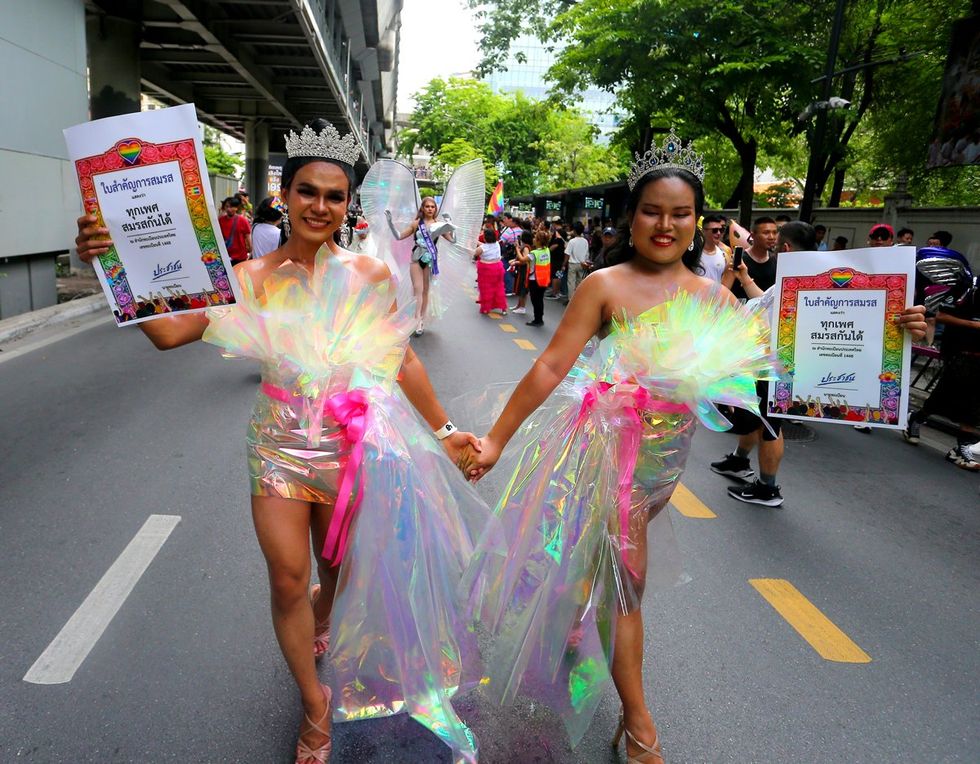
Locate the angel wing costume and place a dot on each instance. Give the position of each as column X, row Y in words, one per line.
column 390, row 188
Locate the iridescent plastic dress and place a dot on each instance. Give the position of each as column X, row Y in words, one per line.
column 330, row 426
column 595, row 463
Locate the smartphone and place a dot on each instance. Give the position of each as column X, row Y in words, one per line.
column 737, row 258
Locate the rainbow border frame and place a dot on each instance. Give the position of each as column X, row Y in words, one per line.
column 184, row 152
column 888, row 411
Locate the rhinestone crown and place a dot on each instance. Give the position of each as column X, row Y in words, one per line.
column 671, row 154
column 327, row 144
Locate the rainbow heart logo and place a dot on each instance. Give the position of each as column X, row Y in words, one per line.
column 130, row 151
column 841, row 278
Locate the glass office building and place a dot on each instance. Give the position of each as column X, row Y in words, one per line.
column 529, row 77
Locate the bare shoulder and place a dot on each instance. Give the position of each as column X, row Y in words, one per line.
column 709, row 288
column 368, row 268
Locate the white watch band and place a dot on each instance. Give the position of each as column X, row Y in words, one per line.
column 445, row 431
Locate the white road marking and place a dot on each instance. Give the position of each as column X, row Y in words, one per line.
column 59, row 662
column 24, row 346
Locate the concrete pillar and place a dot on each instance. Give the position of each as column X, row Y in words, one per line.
column 257, row 160
column 114, row 65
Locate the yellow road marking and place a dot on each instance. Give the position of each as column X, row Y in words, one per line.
column 509, row 328
column 830, row 642
column 525, row 344
column 690, row 505
column 495, row 316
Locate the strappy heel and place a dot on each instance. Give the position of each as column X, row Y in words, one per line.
column 651, row 754
column 321, row 630
column 321, row 755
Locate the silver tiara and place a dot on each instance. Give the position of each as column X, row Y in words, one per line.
column 327, row 144
column 671, row 154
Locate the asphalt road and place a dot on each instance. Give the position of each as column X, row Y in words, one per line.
column 99, row 431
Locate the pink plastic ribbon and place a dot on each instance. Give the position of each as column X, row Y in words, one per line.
column 631, row 399
column 350, row 409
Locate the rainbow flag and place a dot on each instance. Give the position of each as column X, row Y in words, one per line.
column 496, row 205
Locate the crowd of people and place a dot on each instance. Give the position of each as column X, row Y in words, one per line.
column 602, row 423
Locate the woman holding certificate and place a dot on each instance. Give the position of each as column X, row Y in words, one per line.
column 335, row 453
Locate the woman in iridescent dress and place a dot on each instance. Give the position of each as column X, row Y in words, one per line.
column 603, row 423
column 336, row 456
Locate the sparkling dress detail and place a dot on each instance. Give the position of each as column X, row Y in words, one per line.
column 594, row 464
column 331, row 426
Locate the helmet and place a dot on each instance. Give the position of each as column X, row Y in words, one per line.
column 943, row 278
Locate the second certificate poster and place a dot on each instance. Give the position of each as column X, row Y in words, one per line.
column 846, row 359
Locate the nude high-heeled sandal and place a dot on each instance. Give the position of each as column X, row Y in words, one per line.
column 321, row 755
column 651, row 754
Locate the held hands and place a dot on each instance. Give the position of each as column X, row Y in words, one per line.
column 92, row 240
column 913, row 320
column 459, row 443
column 477, row 462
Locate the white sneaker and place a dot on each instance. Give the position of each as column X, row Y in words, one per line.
column 520, row 311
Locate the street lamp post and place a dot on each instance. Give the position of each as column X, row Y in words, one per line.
column 820, row 129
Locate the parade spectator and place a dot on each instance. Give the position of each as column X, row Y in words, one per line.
column 539, row 274
column 490, row 274
column 765, row 433
column 606, row 241
column 905, row 236
column 840, row 243
column 245, row 206
column 881, row 235
column 576, row 264
column 955, row 396
column 510, row 234
column 760, row 259
column 520, row 266
column 557, row 247
column 940, row 239
column 782, row 220
column 236, row 230
column 265, row 233
column 716, row 256
column 820, row 237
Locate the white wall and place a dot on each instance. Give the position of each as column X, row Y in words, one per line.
column 43, row 91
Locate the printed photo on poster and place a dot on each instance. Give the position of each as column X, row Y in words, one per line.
column 846, row 360
column 144, row 178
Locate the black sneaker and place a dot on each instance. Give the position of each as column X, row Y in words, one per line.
column 962, row 457
column 757, row 493
column 733, row 466
column 534, row 323
column 911, row 433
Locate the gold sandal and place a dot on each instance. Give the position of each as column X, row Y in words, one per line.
column 651, row 754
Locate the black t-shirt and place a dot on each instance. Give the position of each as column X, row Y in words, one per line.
column 961, row 339
column 763, row 274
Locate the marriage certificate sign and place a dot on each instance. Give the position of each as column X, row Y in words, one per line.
column 846, row 359
column 144, row 178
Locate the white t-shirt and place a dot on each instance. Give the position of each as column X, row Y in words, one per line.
column 265, row 238
column 577, row 250
column 713, row 264
column 490, row 253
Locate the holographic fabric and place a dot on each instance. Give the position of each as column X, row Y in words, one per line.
column 594, row 465
column 331, row 349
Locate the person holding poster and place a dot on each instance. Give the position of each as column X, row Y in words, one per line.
column 336, row 454
column 764, row 432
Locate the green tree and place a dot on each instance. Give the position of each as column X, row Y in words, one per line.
column 571, row 156
column 458, row 151
column 219, row 161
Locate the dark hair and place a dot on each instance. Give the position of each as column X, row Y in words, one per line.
column 527, row 237
column 622, row 249
column 292, row 165
column 234, row 201
column 714, row 219
column 489, row 235
column 266, row 212
column 578, row 227
column 820, row 227
column 762, row 221
column 903, row 231
column 945, row 238
column 800, row 236
column 783, row 218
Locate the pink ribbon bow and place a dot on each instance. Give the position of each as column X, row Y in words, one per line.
column 350, row 409
column 630, row 399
